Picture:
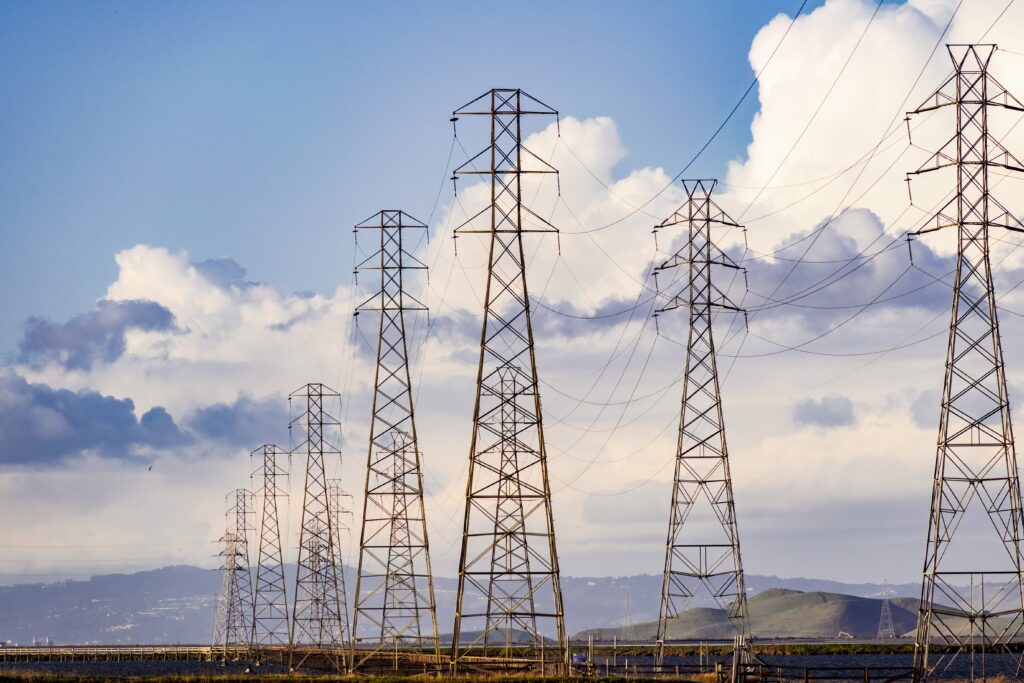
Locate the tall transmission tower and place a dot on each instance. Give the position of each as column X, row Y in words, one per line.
column 886, row 629
column 702, row 555
column 229, row 629
column 341, row 513
column 509, row 596
column 270, row 605
column 972, row 592
column 318, row 626
column 394, row 586
column 233, row 618
column 627, row 621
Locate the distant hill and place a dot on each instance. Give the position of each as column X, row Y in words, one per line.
column 169, row 605
column 782, row 613
column 175, row 605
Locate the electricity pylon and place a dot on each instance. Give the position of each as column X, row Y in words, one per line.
column 886, row 629
column 229, row 629
column 509, row 593
column 972, row 592
column 702, row 554
column 317, row 620
column 394, row 586
column 341, row 512
column 627, row 621
column 270, row 605
column 233, row 618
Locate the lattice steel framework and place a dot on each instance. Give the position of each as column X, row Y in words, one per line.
column 233, row 618
column 702, row 554
column 341, row 513
column 318, row 623
column 886, row 628
column 972, row 592
column 270, row 605
column 394, row 586
column 228, row 627
column 509, row 593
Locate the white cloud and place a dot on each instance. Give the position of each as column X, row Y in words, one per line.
column 610, row 390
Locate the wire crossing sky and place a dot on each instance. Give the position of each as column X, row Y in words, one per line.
column 176, row 199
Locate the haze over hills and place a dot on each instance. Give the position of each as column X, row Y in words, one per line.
column 782, row 613
column 175, row 605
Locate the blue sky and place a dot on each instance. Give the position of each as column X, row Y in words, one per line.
column 262, row 131
column 148, row 147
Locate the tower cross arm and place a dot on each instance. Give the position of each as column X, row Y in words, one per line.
column 470, row 226
column 373, row 304
column 502, row 104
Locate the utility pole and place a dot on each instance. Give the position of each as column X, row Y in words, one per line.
column 972, row 592
column 233, row 618
column 318, row 627
column 702, row 554
column 394, row 586
column 509, row 595
column 270, row 605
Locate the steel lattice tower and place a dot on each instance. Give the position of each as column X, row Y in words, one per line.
column 886, row 629
column 342, row 532
column 627, row 620
column 972, row 597
column 233, row 619
column 394, row 586
column 702, row 555
column 317, row 620
column 509, row 586
column 228, row 627
column 270, row 605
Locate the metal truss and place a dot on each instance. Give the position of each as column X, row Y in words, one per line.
column 972, row 592
column 341, row 514
column 270, row 605
column 233, row 618
column 886, row 629
column 228, row 631
column 702, row 556
column 509, row 597
column 318, row 623
column 394, row 585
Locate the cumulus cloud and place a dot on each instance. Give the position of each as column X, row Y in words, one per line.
column 230, row 336
column 224, row 272
column 824, row 413
column 924, row 411
column 247, row 420
column 610, row 384
column 41, row 426
column 89, row 338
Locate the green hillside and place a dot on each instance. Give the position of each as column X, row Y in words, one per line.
column 782, row 613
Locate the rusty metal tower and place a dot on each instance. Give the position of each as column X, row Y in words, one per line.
column 702, row 553
column 394, row 585
column 509, row 597
column 270, row 605
column 972, row 593
column 318, row 624
column 233, row 618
